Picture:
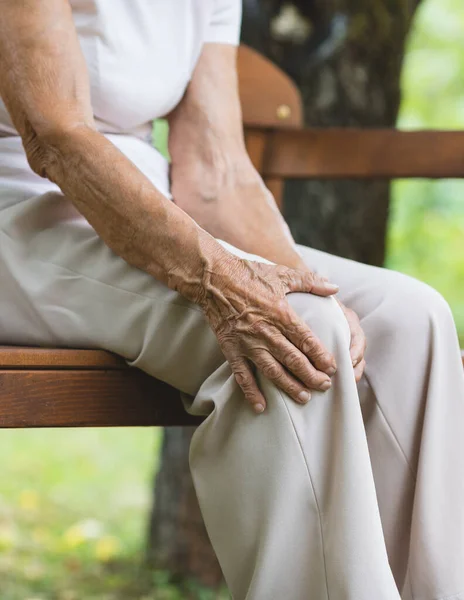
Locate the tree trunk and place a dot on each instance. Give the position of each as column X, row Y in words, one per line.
column 178, row 541
column 345, row 56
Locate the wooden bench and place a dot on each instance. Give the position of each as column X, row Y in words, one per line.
column 82, row 388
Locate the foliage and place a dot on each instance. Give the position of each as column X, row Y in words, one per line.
column 426, row 234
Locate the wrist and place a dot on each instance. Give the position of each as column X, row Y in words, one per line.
column 209, row 176
column 205, row 262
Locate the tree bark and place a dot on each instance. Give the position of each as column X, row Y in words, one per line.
column 346, row 60
column 178, row 541
column 346, row 57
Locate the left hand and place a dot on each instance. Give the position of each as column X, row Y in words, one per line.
column 358, row 341
column 245, row 215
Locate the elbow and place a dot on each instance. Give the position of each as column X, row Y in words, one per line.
column 45, row 147
column 38, row 151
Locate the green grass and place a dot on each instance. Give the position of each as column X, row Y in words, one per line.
column 73, row 511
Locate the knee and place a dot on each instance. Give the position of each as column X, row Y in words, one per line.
column 412, row 306
column 324, row 317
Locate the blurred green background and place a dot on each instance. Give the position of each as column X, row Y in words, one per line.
column 73, row 504
column 426, row 230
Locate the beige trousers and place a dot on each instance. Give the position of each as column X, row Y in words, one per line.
column 358, row 495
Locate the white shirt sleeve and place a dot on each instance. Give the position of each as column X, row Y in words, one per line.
column 225, row 22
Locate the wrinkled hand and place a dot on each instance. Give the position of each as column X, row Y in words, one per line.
column 358, row 341
column 246, row 306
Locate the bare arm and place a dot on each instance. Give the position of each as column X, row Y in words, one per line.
column 213, row 178
column 44, row 84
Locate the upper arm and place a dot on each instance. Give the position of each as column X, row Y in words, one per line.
column 43, row 76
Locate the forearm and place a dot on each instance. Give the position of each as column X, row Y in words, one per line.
column 45, row 87
column 206, row 141
column 212, row 176
column 132, row 217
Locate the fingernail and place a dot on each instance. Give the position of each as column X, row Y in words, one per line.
column 325, row 386
column 331, row 371
column 304, row 397
column 354, row 362
column 332, row 286
column 259, row 408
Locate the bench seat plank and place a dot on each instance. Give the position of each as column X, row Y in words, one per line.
column 16, row 357
column 88, row 398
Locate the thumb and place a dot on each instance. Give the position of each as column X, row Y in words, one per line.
column 323, row 287
column 309, row 282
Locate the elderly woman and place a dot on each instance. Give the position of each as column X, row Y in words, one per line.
column 312, row 487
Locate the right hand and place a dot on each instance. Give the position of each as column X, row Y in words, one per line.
column 246, row 306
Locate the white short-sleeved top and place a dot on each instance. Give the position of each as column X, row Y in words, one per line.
column 140, row 56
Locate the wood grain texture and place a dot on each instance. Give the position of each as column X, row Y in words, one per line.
column 88, row 398
column 256, row 141
column 364, row 153
column 269, row 98
column 17, row 357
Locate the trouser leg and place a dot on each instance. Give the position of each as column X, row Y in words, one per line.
column 288, row 496
column 413, row 405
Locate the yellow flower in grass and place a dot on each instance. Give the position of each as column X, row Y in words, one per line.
column 107, row 548
column 74, row 536
column 80, row 532
column 29, row 500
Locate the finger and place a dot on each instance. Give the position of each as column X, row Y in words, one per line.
column 273, row 370
column 359, row 370
column 323, row 287
column 358, row 340
column 301, row 336
column 245, row 378
column 297, row 364
column 306, row 281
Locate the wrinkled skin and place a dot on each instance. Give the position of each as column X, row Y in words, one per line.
column 214, row 181
column 358, row 341
column 255, row 325
column 44, row 84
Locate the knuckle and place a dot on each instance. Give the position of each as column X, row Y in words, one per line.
column 259, row 327
column 308, row 342
column 315, row 350
column 226, row 341
column 240, row 370
column 315, row 378
column 242, row 378
column 292, row 390
column 247, row 386
column 282, row 271
column 271, row 370
column 282, row 309
column 250, row 395
column 294, row 361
